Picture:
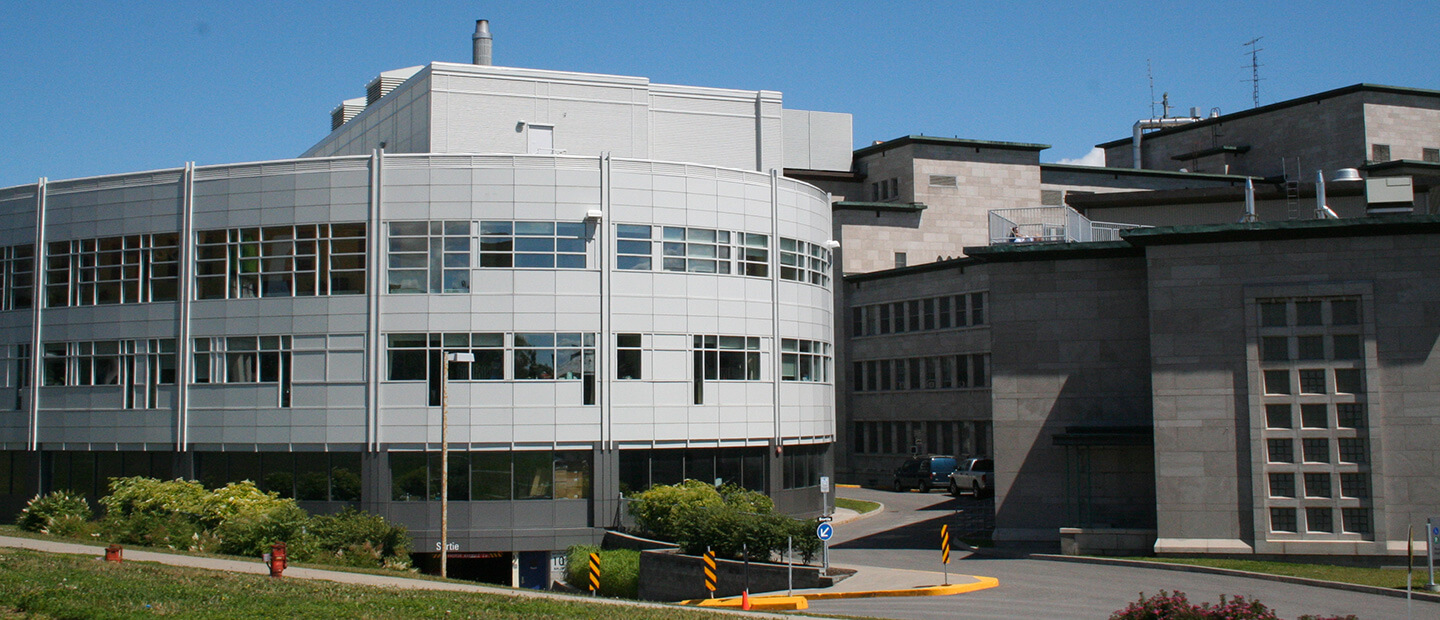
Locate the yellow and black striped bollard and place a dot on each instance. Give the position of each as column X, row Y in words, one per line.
column 595, row 574
column 710, row 579
column 945, row 551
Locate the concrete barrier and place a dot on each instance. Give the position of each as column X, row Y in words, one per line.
column 1106, row 541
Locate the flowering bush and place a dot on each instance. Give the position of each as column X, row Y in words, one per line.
column 1174, row 606
column 43, row 513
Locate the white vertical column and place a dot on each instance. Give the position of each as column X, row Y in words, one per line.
column 37, row 305
column 374, row 271
column 185, row 293
column 774, row 273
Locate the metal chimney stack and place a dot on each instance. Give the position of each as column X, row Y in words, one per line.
column 482, row 42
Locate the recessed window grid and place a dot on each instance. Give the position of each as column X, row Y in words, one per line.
column 532, row 245
column 1311, row 362
column 112, row 270
column 17, row 276
column 802, row 261
column 1319, row 519
column 281, row 261
column 692, row 250
column 804, row 360
column 429, row 257
column 1282, row 484
column 1282, row 519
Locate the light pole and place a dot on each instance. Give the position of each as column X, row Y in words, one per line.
column 445, row 454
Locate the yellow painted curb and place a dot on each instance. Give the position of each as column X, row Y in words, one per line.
column 847, row 486
column 783, row 603
column 981, row 583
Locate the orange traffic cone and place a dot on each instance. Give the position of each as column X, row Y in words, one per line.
column 745, row 600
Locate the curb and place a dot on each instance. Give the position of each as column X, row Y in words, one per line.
column 801, row 601
column 981, row 583
column 774, row 603
column 862, row 515
column 1190, row 568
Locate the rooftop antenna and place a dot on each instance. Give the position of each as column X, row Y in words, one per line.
column 1150, row 73
column 1255, row 69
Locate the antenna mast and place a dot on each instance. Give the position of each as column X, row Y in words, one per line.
column 1150, row 73
column 1255, row 68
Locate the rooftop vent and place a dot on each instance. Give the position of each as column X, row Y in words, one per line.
column 346, row 111
column 386, row 82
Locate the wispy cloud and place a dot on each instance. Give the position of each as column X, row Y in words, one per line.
column 1096, row 157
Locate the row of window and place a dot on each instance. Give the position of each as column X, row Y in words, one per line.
column 488, row 476
column 915, row 315
column 1316, row 415
column 141, row 366
column 1285, row 382
column 112, row 270
column 804, row 360
column 280, row 261
column 1317, row 450
column 331, row 259
column 1321, row 519
column 920, row 437
column 693, row 250
column 1353, row 485
column 945, row 372
column 743, row 467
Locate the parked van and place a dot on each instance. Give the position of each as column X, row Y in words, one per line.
column 930, row 471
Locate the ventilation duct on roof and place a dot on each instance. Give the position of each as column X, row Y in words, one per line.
column 346, row 111
column 386, row 82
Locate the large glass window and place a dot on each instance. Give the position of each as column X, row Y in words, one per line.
column 429, row 257
column 139, row 366
column 492, row 475
column 804, row 360
column 545, row 245
column 802, row 261
column 694, row 250
column 112, row 270
column 17, row 276
column 245, row 359
column 281, row 261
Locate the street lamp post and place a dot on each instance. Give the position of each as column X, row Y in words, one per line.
column 445, row 455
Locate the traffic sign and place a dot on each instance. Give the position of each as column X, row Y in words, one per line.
column 824, row 518
column 824, row 484
column 824, row 531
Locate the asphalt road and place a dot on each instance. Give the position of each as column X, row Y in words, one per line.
column 907, row 536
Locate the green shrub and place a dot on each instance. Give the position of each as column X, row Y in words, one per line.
column 251, row 531
column 138, row 495
column 43, row 512
column 154, row 529
column 729, row 521
column 355, row 538
column 241, row 500
column 619, row 570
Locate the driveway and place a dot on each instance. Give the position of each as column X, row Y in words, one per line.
column 906, row 536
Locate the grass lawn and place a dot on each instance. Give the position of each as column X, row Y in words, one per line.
column 1381, row 577
column 43, row 585
column 859, row 506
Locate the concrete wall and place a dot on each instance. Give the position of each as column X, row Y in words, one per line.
column 1070, row 348
column 1209, row 402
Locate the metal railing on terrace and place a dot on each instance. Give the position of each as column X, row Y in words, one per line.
column 1050, row 225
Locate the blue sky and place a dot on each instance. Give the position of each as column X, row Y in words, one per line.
column 108, row 87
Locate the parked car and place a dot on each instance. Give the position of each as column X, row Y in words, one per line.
column 930, row 471
column 976, row 475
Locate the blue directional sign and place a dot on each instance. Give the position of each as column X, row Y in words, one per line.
column 824, row 531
